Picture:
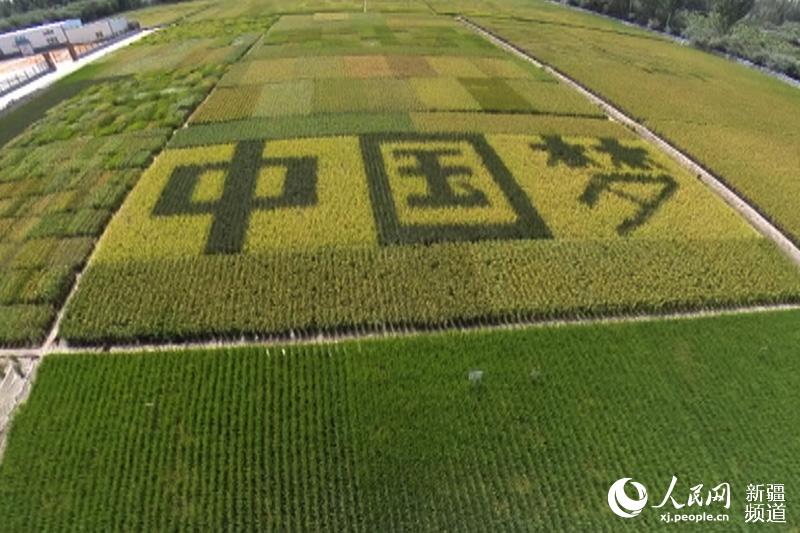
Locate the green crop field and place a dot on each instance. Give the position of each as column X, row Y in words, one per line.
column 391, row 436
column 69, row 158
column 63, row 177
column 370, row 171
column 186, row 45
column 169, row 13
column 737, row 122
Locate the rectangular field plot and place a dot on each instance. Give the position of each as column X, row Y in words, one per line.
column 258, row 71
column 305, row 35
column 55, row 199
column 330, row 234
column 737, row 122
column 371, row 171
column 348, row 95
column 194, row 45
column 391, row 435
column 288, row 194
column 65, row 173
column 392, row 84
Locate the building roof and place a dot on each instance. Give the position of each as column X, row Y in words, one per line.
column 70, row 23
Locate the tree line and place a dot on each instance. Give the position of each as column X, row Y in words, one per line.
column 766, row 32
column 18, row 14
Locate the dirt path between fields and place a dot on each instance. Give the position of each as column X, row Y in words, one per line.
column 759, row 222
column 387, row 332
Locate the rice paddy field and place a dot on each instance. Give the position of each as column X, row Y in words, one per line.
column 282, row 175
column 64, row 176
column 165, row 14
column 391, row 436
column 465, row 187
column 736, row 121
column 70, row 156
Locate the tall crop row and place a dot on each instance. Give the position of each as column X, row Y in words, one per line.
column 340, row 290
column 245, row 444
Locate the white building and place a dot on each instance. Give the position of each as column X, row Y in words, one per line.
column 29, row 40
column 99, row 30
column 57, row 34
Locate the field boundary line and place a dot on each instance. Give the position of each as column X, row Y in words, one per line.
column 388, row 331
column 50, row 341
column 716, row 184
column 404, row 331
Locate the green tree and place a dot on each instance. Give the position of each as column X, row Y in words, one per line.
column 667, row 10
column 729, row 12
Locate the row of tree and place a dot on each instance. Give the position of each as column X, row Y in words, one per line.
column 24, row 13
column 766, row 32
column 9, row 8
column 673, row 15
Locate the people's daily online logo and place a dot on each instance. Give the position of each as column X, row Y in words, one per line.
column 765, row 502
column 623, row 505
